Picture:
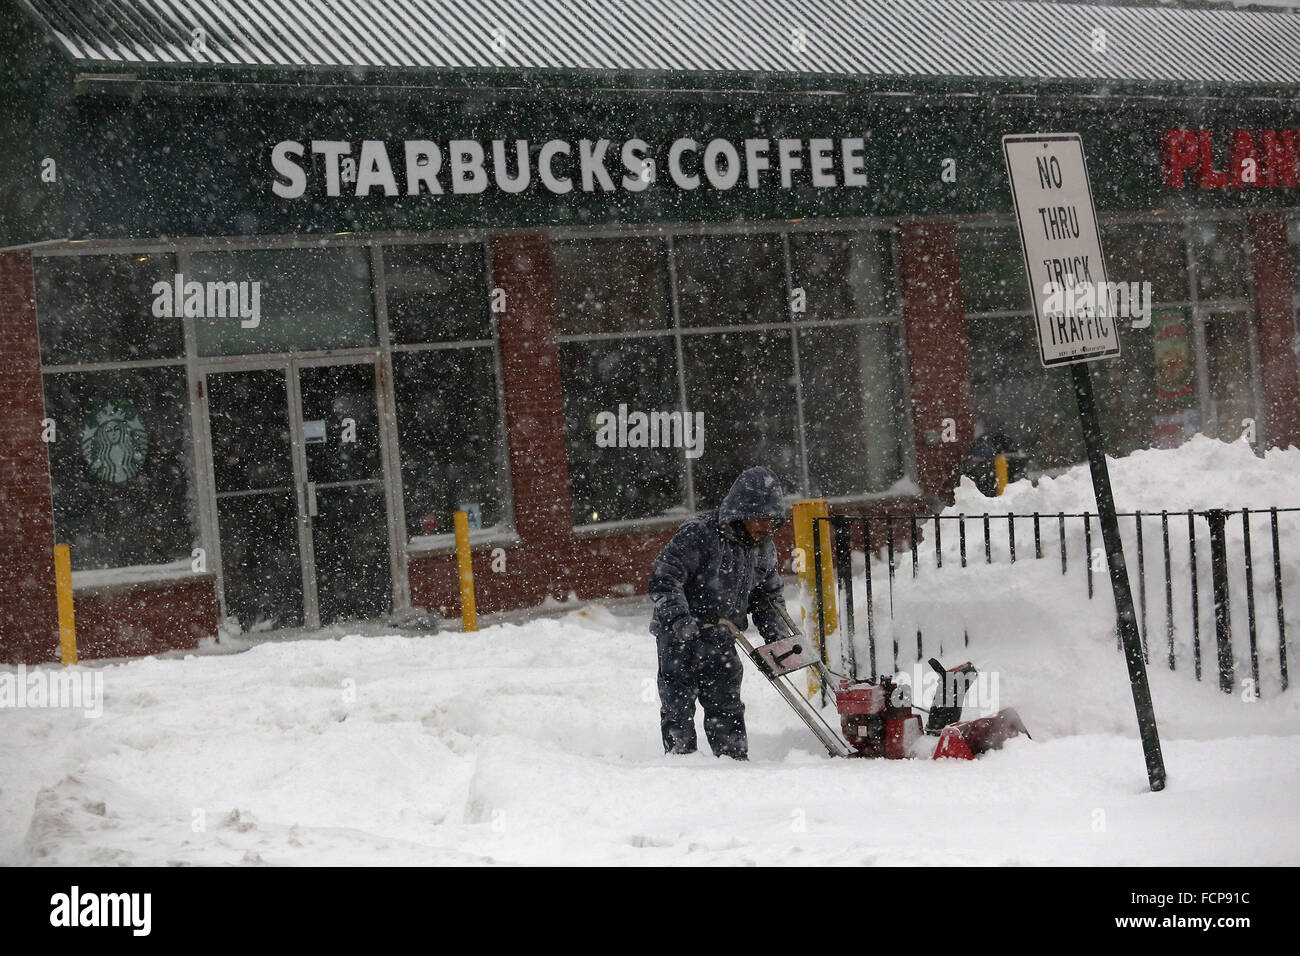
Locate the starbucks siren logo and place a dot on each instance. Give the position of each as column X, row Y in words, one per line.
column 114, row 442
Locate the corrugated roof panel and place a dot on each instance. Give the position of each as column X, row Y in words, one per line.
column 472, row 37
column 307, row 34
column 175, row 22
column 1011, row 39
column 421, row 38
column 543, row 48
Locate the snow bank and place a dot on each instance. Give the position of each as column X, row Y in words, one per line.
column 1202, row 473
column 1052, row 647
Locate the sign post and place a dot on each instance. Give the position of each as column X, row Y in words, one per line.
column 1072, row 311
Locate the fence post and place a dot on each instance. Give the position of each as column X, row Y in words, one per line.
column 1142, row 585
column 871, row 598
column 1060, row 529
column 1169, row 588
column 915, row 539
column 889, row 554
column 1250, row 599
column 1222, row 610
column 1277, row 593
column 1087, row 548
column 844, row 572
column 889, row 550
column 819, row 581
column 1196, row 597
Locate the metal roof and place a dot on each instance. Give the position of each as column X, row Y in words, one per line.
column 1012, row 39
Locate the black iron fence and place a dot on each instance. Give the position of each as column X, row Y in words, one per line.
column 1218, row 541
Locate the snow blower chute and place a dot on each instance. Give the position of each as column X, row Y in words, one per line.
column 877, row 717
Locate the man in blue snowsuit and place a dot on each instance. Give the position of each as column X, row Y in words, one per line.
column 721, row 563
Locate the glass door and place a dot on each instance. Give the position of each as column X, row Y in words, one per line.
column 345, row 505
column 299, row 480
column 255, row 480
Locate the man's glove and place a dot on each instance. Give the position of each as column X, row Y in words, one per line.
column 685, row 629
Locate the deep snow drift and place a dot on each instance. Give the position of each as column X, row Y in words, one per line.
column 538, row 743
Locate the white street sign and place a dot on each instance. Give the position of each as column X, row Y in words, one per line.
column 1062, row 246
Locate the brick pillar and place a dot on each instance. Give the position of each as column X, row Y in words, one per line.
column 938, row 364
column 1275, row 329
column 534, row 400
column 28, row 615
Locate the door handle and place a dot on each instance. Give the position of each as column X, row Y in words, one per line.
column 311, row 499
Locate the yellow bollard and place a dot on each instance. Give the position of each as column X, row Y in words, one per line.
column 67, row 620
column 468, row 613
column 804, row 513
column 1000, row 473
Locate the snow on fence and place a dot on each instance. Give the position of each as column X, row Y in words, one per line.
column 1210, row 587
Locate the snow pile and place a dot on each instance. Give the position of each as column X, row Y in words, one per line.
column 538, row 743
column 1052, row 647
column 1202, row 473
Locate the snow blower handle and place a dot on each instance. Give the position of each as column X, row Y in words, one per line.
column 776, row 674
column 828, row 677
column 779, row 607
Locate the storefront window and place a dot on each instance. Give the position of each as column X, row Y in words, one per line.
column 1150, row 396
column 288, row 299
column 844, row 275
column 743, row 383
column 437, row 293
column 851, row 375
column 1147, row 252
column 448, row 418
column 100, row 309
column 449, row 432
column 730, row 280
column 619, row 354
column 1227, row 355
column 1223, row 282
column 610, row 285
column 1137, row 410
column 604, row 289
column 853, row 394
column 992, row 271
column 1219, row 249
column 120, row 465
column 603, row 378
column 1029, row 409
column 120, row 459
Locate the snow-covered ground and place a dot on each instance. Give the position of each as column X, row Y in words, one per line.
column 538, row 743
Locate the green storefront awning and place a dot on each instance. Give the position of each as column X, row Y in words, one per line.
column 163, row 118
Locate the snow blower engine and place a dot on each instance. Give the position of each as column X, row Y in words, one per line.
column 877, row 717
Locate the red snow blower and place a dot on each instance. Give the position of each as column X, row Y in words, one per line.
column 877, row 717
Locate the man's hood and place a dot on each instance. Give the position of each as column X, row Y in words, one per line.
column 755, row 494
